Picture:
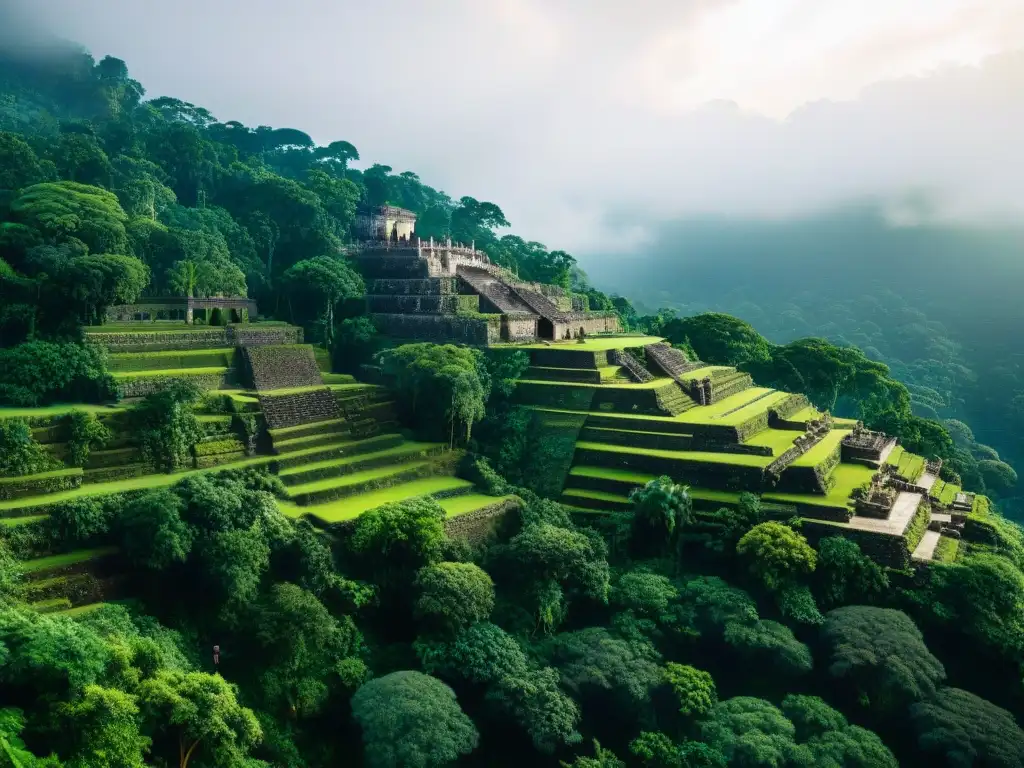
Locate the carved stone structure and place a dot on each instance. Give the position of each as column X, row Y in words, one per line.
column 633, row 366
column 237, row 309
column 385, row 222
column 442, row 291
column 863, row 444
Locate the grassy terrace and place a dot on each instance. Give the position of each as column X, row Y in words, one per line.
column 171, row 326
column 822, row 450
column 730, row 412
column 664, row 381
column 779, row 440
column 597, row 344
column 145, row 482
column 209, row 371
column 352, row 507
column 66, row 559
column 908, row 465
column 355, row 478
column 700, row 457
column 470, row 502
column 398, row 452
column 847, row 477
column 805, row 414
column 57, row 409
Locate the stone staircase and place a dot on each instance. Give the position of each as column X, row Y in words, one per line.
column 673, row 400
column 306, row 407
column 729, row 384
column 670, row 360
column 282, row 367
column 497, row 292
column 633, row 367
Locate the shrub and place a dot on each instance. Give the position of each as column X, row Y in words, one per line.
column 39, row 372
column 20, row 454
column 87, row 433
column 166, row 425
column 80, row 521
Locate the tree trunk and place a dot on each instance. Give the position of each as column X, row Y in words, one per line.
column 185, row 755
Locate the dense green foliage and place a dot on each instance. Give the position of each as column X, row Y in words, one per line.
column 662, row 636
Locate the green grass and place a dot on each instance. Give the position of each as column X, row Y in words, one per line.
column 66, row 559
column 739, row 459
column 822, row 449
column 805, row 414
column 81, row 610
column 350, row 508
column 470, row 502
column 19, row 479
column 355, row 478
column 337, row 378
column 283, row 432
column 949, row 492
column 398, row 451
column 946, row 550
column 779, row 440
column 53, row 605
column 653, row 384
column 14, row 522
column 847, row 477
column 910, row 466
column 290, row 390
column 585, row 493
column 603, row 473
column 598, row 344
column 57, row 409
column 210, row 371
column 239, row 395
column 895, row 455
column 123, row 360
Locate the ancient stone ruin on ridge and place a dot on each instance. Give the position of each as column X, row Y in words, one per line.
column 433, row 290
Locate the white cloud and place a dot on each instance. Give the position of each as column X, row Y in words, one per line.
column 585, row 119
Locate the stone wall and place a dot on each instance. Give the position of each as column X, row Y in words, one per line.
column 147, row 385
column 281, row 367
column 374, row 265
column 34, row 485
column 263, row 335
column 441, row 329
column 518, row 328
column 430, row 286
column 160, row 341
column 480, row 526
column 406, row 304
column 590, row 324
column 299, row 408
column 885, row 549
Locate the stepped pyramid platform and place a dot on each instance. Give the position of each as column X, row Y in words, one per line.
column 710, row 428
column 335, row 443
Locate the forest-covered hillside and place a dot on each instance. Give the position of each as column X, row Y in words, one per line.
column 935, row 302
column 163, row 605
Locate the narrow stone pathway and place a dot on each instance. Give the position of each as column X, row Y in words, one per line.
column 926, row 481
column 926, row 548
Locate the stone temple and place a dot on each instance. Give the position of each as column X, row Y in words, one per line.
column 440, row 291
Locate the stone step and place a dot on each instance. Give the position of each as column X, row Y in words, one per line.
column 323, row 491
column 344, row 448
column 346, row 465
column 325, row 427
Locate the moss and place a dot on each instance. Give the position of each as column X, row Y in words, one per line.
column 946, row 550
column 66, row 559
column 143, row 361
column 470, row 502
column 917, row 526
column 351, row 508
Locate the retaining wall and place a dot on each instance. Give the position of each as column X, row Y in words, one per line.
column 441, row 329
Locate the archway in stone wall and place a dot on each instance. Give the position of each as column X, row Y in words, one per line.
column 545, row 330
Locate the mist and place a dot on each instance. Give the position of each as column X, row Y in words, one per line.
column 593, row 125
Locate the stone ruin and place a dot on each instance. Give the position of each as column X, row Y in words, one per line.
column 440, row 291
column 864, row 444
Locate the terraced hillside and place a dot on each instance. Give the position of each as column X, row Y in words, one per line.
column 334, row 442
column 709, row 428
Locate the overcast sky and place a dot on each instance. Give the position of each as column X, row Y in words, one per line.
column 590, row 121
